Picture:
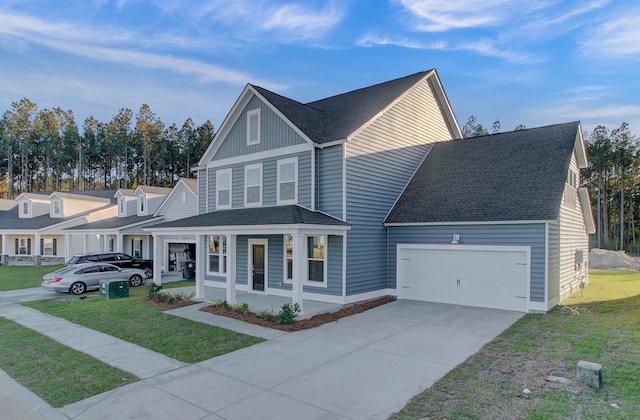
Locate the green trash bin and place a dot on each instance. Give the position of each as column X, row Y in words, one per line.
column 114, row 288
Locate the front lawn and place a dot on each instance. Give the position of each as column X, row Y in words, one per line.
column 600, row 325
column 15, row 277
column 144, row 324
column 58, row 374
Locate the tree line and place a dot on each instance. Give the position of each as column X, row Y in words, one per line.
column 45, row 150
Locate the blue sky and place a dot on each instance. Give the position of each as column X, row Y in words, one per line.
column 532, row 62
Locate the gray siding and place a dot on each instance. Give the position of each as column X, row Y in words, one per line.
column 380, row 161
column 532, row 235
column 176, row 209
column 330, row 164
column 274, row 133
column 211, row 192
column 553, row 270
column 269, row 181
column 202, row 191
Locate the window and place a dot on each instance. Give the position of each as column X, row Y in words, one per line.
column 25, row 208
column 141, row 204
column 23, row 246
column 316, row 256
column 288, row 258
column 223, row 189
column 287, row 181
column 253, row 127
column 57, row 207
column 184, row 197
column 217, row 250
column 572, row 179
column 253, row 185
column 136, row 248
column 48, row 246
column 111, row 245
column 121, row 205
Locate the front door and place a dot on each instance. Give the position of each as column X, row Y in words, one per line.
column 258, row 266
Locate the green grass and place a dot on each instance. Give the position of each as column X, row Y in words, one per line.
column 58, row 374
column 602, row 325
column 14, row 277
column 144, row 324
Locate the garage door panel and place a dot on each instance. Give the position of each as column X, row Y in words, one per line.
column 494, row 278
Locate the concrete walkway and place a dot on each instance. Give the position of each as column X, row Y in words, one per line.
column 361, row 367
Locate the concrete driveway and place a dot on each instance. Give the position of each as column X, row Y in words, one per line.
column 361, row 367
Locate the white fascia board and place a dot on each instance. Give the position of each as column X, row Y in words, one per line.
column 305, row 229
column 509, row 222
column 444, row 100
column 580, row 149
column 260, row 156
column 585, row 206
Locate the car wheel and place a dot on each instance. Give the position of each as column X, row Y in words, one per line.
column 78, row 288
column 148, row 271
column 135, row 280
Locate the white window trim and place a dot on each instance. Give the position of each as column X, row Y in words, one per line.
column 184, row 197
column 142, row 205
column 284, row 253
column 219, row 173
column 250, row 141
column 53, row 207
column 122, row 206
column 288, row 161
column 23, row 243
column 47, row 243
column 22, row 205
column 222, row 263
column 306, row 280
column 246, row 170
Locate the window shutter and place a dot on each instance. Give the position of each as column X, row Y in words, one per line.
column 16, row 246
column 41, row 246
column 55, row 246
column 28, row 246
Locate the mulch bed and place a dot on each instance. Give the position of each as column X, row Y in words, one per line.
column 302, row 324
column 176, row 304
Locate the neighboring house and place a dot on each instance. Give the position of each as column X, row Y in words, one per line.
column 174, row 250
column 123, row 231
column 33, row 232
column 496, row 221
column 292, row 196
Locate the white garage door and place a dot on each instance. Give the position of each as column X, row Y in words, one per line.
column 491, row 277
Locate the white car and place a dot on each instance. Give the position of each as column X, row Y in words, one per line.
column 79, row 278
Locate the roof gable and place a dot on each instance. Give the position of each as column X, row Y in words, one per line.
column 514, row 176
column 189, row 185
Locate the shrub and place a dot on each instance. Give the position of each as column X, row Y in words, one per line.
column 288, row 313
column 154, row 291
column 266, row 314
column 243, row 308
column 219, row 303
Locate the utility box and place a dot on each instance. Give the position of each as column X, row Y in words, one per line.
column 114, row 288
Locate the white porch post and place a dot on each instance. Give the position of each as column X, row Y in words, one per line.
column 105, row 242
column 119, row 240
column 157, row 256
column 85, row 245
column 231, row 269
column 200, row 262
column 35, row 247
column 5, row 251
column 298, row 270
column 68, row 247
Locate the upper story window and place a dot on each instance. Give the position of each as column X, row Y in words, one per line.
column 253, row 127
column 141, row 204
column 121, row 203
column 184, row 197
column 56, row 207
column 223, row 189
column 288, row 181
column 572, row 178
column 25, row 208
column 253, row 185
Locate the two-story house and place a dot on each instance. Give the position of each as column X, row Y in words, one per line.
column 292, row 196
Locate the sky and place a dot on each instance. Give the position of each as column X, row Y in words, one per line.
column 531, row 62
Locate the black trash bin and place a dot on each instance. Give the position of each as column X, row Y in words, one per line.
column 189, row 270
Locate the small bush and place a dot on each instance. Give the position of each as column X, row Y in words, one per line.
column 266, row 314
column 242, row 308
column 154, row 291
column 219, row 303
column 288, row 313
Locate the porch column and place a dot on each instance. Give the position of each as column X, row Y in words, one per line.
column 157, row 256
column 105, row 242
column 200, row 262
column 119, row 239
column 86, row 244
column 36, row 252
column 298, row 270
column 231, row 269
column 68, row 247
column 5, row 251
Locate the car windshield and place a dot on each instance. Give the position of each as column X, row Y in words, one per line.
column 74, row 260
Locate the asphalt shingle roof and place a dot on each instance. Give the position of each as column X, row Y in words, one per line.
column 513, row 176
column 278, row 215
column 112, row 223
column 336, row 117
column 10, row 220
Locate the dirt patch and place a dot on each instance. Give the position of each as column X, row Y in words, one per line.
column 612, row 260
column 302, row 324
column 163, row 304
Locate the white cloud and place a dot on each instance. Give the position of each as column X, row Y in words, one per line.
column 618, row 37
column 372, row 40
column 302, row 21
column 443, row 15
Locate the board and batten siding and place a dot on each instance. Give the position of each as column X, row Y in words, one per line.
column 269, row 181
column 329, row 192
column 176, row 209
column 573, row 238
column 202, row 191
column 553, row 263
column 531, row 235
column 380, row 160
column 275, row 133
